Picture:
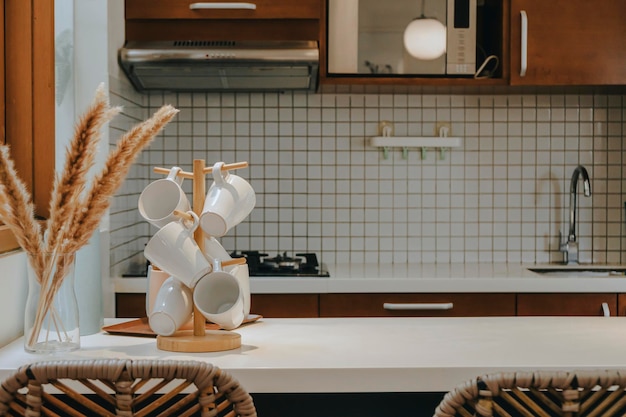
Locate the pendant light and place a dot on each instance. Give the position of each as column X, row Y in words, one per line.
column 425, row 38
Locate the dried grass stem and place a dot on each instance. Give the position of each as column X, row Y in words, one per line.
column 76, row 207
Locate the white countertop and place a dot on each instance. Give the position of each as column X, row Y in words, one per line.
column 380, row 354
column 347, row 278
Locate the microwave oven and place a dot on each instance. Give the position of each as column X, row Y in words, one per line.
column 366, row 37
column 461, row 37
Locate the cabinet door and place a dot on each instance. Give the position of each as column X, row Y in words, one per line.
column 189, row 9
column 416, row 305
column 566, row 304
column 168, row 20
column 621, row 304
column 568, row 42
column 285, row 305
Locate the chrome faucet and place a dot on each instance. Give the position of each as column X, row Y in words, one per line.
column 570, row 247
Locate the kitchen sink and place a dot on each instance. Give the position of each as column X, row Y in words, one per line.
column 582, row 270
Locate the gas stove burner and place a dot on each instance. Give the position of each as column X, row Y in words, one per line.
column 301, row 265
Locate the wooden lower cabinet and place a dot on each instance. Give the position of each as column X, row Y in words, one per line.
column 416, row 305
column 621, row 304
column 285, row 305
column 566, row 304
column 130, row 305
column 133, row 305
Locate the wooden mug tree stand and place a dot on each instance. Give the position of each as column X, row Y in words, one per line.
column 200, row 339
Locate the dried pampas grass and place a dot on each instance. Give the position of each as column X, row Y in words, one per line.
column 79, row 158
column 17, row 210
column 76, row 207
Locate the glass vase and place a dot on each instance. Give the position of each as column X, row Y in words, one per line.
column 51, row 317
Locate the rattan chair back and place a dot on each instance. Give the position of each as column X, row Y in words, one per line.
column 543, row 394
column 113, row 387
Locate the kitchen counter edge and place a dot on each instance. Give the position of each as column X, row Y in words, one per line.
column 419, row 278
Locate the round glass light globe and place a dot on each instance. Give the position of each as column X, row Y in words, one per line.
column 425, row 38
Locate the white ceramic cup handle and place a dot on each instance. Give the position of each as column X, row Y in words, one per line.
column 218, row 175
column 194, row 226
column 173, row 175
column 217, row 264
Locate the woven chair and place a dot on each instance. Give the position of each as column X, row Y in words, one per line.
column 112, row 387
column 545, row 394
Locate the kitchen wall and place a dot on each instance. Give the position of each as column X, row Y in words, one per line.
column 503, row 196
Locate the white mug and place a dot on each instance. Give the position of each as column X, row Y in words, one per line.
column 174, row 250
column 230, row 199
column 155, row 279
column 161, row 198
column 172, row 307
column 219, row 298
column 242, row 273
column 213, row 249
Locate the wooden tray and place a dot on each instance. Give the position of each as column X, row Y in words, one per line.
column 141, row 328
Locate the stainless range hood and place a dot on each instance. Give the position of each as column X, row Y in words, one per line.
column 221, row 65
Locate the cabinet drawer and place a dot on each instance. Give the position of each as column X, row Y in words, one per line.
column 285, row 305
column 565, row 304
column 265, row 9
column 427, row 305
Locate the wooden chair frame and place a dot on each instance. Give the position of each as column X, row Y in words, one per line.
column 588, row 393
column 114, row 387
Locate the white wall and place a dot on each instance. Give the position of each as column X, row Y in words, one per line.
column 12, row 296
column 503, row 196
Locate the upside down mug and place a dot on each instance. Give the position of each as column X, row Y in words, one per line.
column 156, row 277
column 174, row 250
column 242, row 273
column 172, row 307
column 218, row 297
column 161, row 198
column 229, row 201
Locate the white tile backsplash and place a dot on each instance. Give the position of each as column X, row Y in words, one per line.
column 502, row 197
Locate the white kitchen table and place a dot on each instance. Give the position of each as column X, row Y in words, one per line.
column 379, row 354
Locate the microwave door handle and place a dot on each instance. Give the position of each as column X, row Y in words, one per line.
column 524, row 45
column 222, row 6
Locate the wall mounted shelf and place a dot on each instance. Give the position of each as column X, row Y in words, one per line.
column 416, row 141
column 441, row 143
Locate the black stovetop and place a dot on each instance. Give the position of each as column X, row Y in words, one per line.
column 282, row 265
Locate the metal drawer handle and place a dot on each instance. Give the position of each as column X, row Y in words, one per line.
column 606, row 311
column 524, row 45
column 222, row 6
column 418, row 306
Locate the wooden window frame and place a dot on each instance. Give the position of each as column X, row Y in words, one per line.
column 28, row 106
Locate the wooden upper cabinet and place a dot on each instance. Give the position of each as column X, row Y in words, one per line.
column 569, row 42
column 166, row 20
column 189, row 9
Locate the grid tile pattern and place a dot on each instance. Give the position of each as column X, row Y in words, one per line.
column 502, row 197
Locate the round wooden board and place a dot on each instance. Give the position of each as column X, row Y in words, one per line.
column 212, row 341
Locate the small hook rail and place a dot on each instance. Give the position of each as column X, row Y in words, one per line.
column 441, row 143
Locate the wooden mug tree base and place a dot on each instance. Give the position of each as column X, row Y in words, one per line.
column 199, row 339
column 211, row 341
